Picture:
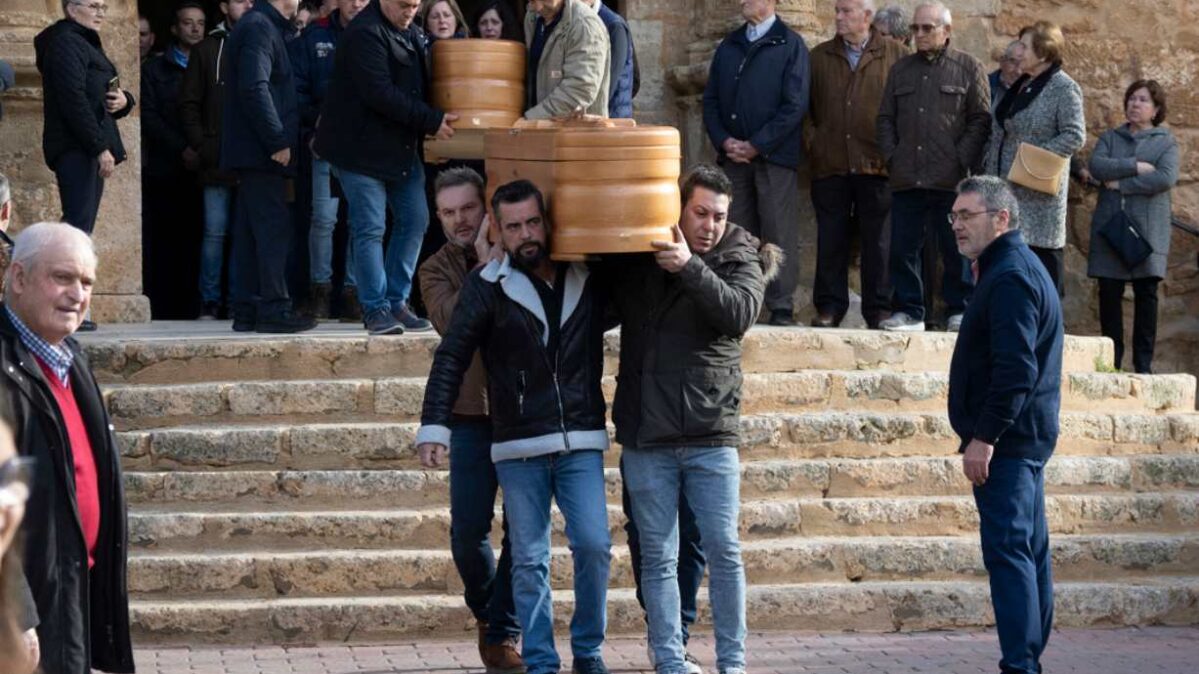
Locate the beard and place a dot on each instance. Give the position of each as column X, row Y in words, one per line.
column 528, row 256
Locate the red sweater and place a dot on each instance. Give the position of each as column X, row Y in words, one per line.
column 87, row 483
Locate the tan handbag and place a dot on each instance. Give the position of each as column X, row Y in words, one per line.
column 1038, row 169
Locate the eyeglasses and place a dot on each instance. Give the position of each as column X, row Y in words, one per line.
column 917, row 28
column 96, row 7
column 965, row 215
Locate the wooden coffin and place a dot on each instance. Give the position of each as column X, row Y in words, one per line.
column 611, row 186
column 481, row 81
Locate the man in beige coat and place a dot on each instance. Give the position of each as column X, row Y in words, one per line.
column 568, row 65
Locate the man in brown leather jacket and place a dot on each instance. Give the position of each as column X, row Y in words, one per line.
column 933, row 127
column 458, row 193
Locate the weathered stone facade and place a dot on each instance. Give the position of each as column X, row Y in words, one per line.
column 118, row 229
column 1109, row 45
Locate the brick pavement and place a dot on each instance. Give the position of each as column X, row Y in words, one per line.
column 1152, row 650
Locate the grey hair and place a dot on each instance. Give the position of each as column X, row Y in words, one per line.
column 5, row 190
column 867, row 5
column 895, row 20
column 35, row 239
column 457, row 176
column 1011, row 47
column 942, row 11
column 996, row 194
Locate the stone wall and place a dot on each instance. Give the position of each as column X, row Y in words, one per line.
column 35, row 196
column 1110, row 44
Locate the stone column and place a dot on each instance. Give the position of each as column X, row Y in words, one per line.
column 118, row 234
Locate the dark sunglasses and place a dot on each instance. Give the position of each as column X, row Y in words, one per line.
column 17, row 470
column 6, row 239
column 923, row 27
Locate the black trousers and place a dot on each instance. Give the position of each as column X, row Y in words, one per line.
column 80, row 188
column 766, row 202
column 172, row 232
column 840, row 202
column 1054, row 260
column 1144, row 319
column 262, row 230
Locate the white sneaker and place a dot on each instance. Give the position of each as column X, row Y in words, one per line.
column 901, row 322
column 954, row 323
column 689, row 660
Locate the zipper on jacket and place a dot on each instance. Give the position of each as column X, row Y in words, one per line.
column 553, row 368
column 520, row 392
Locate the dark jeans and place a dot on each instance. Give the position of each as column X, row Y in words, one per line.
column 1054, row 260
column 1015, row 547
column 691, row 556
column 766, row 202
column 914, row 215
column 1144, row 321
column 262, row 229
column 79, row 189
column 840, row 201
column 473, row 485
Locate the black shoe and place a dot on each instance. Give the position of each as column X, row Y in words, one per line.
column 781, row 317
column 285, row 323
column 380, row 322
column 589, row 666
column 410, row 321
column 320, row 301
column 87, row 325
column 351, row 310
column 824, row 321
column 209, row 311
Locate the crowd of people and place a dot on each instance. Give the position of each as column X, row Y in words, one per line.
column 903, row 147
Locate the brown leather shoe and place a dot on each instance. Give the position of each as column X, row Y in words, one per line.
column 825, row 321
column 501, row 658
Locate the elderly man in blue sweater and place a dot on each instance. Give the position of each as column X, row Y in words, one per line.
column 1004, row 395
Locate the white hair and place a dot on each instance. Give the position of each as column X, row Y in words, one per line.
column 34, row 240
column 942, row 11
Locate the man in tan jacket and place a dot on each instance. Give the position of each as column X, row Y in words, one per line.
column 458, row 193
column 569, row 60
column 849, row 176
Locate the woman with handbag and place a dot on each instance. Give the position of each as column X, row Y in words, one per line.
column 1137, row 164
column 1037, row 126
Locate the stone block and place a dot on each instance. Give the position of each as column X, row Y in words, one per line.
column 297, row 397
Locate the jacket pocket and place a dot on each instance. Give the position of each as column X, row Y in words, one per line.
column 711, row 401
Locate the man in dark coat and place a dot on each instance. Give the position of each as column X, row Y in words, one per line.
column 677, row 405
column 625, row 76
column 75, row 526
column 754, row 105
column 83, row 101
column 1005, row 384
column 260, row 136
column 372, row 126
column 201, row 99
column 171, row 204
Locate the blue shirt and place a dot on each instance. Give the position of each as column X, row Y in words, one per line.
column 57, row 358
column 754, row 33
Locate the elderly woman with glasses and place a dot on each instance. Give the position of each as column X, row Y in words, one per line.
column 1042, row 108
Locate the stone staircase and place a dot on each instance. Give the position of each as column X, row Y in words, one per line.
column 275, row 495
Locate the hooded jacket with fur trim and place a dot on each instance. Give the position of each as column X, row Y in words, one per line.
column 680, row 341
column 540, row 402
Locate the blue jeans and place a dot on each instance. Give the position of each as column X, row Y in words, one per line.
column 914, row 214
column 473, row 485
column 576, row 481
column 710, row 477
column 691, row 556
column 1015, row 546
column 320, row 233
column 218, row 205
column 384, row 280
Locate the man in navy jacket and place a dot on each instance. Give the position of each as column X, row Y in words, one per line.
column 260, row 135
column 754, row 105
column 1004, row 395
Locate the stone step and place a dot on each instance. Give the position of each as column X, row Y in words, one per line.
column 165, row 353
column 865, row 606
column 374, row 445
column 830, row 478
column 313, row 573
column 420, row 528
column 399, row 399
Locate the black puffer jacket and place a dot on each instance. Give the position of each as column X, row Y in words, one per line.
column 75, row 76
column 680, row 342
column 540, row 404
column 163, row 141
column 200, row 100
column 84, row 617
